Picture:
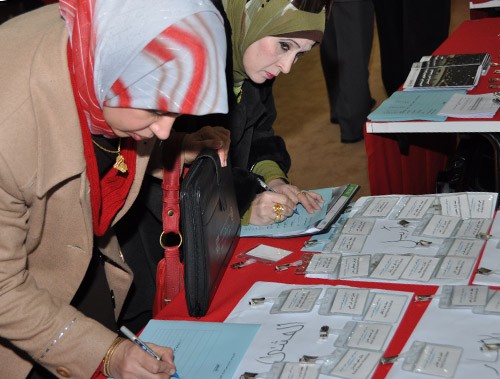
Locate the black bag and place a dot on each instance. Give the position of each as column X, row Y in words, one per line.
column 473, row 166
column 210, row 225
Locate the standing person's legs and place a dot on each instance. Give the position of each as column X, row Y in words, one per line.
column 389, row 17
column 354, row 43
column 425, row 26
column 345, row 55
column 330, row 65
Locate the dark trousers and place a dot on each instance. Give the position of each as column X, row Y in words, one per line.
column 408, row 30
column 345, row 55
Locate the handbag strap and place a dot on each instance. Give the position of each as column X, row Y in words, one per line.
column 174, row 280
column 171, row 154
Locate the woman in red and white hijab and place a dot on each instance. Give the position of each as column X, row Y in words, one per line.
column 84, row 99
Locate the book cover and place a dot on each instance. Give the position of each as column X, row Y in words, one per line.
column 464, row 76
column 455, row 60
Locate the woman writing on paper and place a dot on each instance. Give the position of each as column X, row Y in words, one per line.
column 84, row 99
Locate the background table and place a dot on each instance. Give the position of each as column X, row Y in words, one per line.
column 408, row 163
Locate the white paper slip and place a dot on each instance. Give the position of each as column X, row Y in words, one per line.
column 469, row 296
column 493, row 304
column 420, row 268
column 350, row 301
column 356, row 364
column 267, row 253
column 465, row 248
column 354, row 266
column 347, row 244
column 391, row 267
column 416, row 207
column 470, row 106
column 386, row 308
column 380, row 206
column 455, row 268
column 364, row 335
column 441, row 226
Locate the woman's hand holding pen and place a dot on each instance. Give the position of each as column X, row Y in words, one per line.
column 279, row 202
column 265, row 210
column 130, row 361
column 310, row 200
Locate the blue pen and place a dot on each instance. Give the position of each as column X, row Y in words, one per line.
column 132, row 337
column 267, row 188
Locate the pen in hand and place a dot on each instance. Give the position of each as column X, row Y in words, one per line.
column 132, row 337
column 267, row 188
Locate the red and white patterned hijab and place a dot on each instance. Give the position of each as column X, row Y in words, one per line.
column 167, row 55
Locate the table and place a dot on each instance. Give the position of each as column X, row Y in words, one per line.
column 483, row 8
column 236, row 282
column 413, row 170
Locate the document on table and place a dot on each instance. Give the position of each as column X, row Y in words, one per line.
column 456, row 327
column 470, row 106
column 207, row 350
column 406, row 106
column 303, row 223
column 287, row 336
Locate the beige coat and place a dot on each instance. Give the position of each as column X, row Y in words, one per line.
column 45, row 216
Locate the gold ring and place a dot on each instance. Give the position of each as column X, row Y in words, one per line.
column 278, row 208
column 279, row 218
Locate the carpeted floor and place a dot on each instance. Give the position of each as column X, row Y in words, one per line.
column 318, row 158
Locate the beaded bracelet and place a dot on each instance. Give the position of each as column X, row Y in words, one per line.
column 107, row 358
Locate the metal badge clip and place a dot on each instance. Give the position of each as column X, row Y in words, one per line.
column 286, row 266
column 489, row 346
column 483, row 236
column 311, row 243
column 248, row 375
column 239, row 264
column 323, row 332
column 308, row 359
column 486, row 271
column 389, row 360
column 282, row 267
column 257, row 300
column 418, row 298
column 483, row 271
column 242, row 264
column 424, row 243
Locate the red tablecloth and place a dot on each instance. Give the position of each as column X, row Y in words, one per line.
column 389, row 170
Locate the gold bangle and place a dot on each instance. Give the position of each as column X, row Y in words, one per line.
column 107, row 358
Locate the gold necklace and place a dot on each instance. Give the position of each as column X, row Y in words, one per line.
column 120, row 164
